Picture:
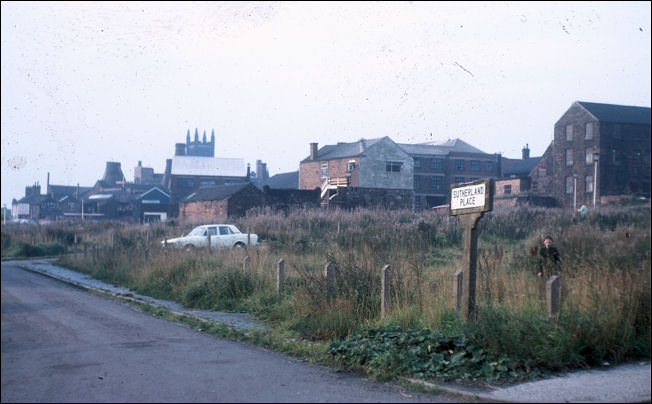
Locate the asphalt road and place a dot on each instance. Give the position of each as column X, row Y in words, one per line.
column 63, row 344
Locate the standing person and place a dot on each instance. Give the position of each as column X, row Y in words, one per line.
column 549, row 260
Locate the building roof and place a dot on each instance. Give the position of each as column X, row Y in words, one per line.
column 284, row 181
column 617, row 113
column 342, row 149
column 352, row 149
column 518, row 167
column 208, row 166
column 59, row 191
column 216, row 193
column 440, row 147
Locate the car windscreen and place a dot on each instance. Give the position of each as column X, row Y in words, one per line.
column 198, row 231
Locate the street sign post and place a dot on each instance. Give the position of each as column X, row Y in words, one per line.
column 469, row 201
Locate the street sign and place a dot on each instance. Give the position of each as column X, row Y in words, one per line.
column 469, row 201
column 471, row 197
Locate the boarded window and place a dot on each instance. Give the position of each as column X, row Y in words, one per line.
column 569, row 185
column 588, row 131
column 588, row 183
column 569, row 133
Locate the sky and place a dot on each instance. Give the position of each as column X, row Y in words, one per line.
column 84, row 83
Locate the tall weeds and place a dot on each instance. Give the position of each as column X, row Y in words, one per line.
column 605, row 312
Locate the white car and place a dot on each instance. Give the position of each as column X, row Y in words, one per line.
column 221, row 235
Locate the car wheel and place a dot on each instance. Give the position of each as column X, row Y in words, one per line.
column 189, row 247
column 238, row 245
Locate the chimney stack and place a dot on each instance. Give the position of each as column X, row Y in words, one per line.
column 314, row 154
column 526, row 152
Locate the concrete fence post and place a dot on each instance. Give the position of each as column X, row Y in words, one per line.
column 329, row 275
column 553, row 295
column 384, row 291
column 280, row 276
column 458, row 284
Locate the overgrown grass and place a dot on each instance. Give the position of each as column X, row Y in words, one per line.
column 605, row 313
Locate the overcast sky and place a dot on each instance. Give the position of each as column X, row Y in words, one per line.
column 84, row 83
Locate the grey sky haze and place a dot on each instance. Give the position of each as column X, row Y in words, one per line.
column 84, row 83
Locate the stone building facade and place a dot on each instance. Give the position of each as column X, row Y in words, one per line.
column 610, row 140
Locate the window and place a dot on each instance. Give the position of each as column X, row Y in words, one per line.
column 569, row 185
column 589, row 156
column 459, row 165
column 437, row 182
column 508, row 189
column 488, row 166
column 417, row 182
column 459, row 179
column 185, row 182
column 207, row 183
column 417, row 201
column 588, row 131
column 417, row 163
column 475, row 165
column 224, row 230
column 350, row 166
column 569, row 157
column 436, row 164
column 569, row 133
column 211, row 231
column 588, row 183
column 394, row 166
column 543, row 171
column 324, row 170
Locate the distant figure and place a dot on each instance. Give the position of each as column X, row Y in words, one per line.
column 549, row 260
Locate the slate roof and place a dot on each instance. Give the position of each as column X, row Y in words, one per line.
column 343, row 149
column 59, row 191
column 440, row 147
column 618, row 113
column 217, row 193
column 353, row 149
column 284, row 181
column 518, row 167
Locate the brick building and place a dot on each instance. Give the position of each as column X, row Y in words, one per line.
column 610, row 140
column 216, row 204
column 437, row 165
column 368, row 163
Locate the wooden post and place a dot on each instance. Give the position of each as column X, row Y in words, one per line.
column 458, row 282
column 146, row 255
column 553, row 301
column 338, row 227
column 384, row 291
column 94, row 253
column 209, row 242
column 113, row 243
column 248, row 237
column 470, row 222
column 469, row 201
column 280, row 276
column 330, row 277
